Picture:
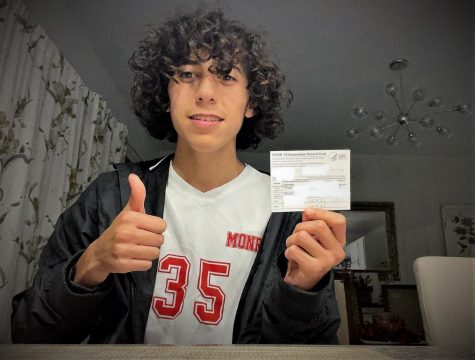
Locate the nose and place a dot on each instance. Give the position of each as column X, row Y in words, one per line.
column 206, row 91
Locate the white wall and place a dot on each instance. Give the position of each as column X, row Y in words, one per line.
column 418, row 186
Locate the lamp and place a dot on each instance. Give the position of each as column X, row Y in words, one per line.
column 405, row 118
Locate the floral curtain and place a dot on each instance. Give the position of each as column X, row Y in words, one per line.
column 56, row 136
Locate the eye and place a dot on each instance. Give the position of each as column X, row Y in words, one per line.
column 227, row 77
column 185, row 75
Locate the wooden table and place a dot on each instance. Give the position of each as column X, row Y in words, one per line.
column 244, row 352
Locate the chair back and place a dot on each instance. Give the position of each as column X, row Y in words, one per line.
column 446, row 290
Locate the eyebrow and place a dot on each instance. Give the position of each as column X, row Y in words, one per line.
column 196, row 62
column 191, row 62
column 238, row 69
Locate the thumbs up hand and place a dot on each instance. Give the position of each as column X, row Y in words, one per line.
column 130, row 243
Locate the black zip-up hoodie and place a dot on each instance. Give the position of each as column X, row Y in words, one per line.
column 57, row 310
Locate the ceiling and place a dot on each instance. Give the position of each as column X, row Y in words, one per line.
column 335, row 55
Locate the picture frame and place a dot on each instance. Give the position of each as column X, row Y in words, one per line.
column 458, row 223
column 403, row 300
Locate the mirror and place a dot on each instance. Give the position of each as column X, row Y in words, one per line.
column 371, row 239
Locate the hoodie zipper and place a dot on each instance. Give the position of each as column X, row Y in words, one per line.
column 131, row 304
column 132, row 292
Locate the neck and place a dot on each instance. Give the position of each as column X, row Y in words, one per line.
column 207, row 171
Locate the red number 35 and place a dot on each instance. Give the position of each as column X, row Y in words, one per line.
column 210, row 312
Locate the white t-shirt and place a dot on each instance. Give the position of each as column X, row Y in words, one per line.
column 210, row 245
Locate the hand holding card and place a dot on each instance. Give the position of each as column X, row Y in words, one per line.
column 315, row 247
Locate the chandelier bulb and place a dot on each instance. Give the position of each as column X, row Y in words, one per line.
column 391, row 90
column 391, row 140
column 413, row 140
column 376, row 132
column 418, row 95
column 426, row 120
column 443, row 131
column 380, row 116
column 359, row 112
column 436, row 101
column 464, row 108
column 352, row 133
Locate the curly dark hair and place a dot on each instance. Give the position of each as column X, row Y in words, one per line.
column 225, row 41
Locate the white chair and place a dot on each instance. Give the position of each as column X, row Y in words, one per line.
column 446, row 289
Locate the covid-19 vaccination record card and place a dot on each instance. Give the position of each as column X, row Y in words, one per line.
column 310, row 178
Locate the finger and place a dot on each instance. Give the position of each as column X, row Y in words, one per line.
column 306, row 242
column 137, row 265
column 335, row 221
column 141, row 252
column 298, row 255
column 152, row 223
column 137, row 194
column 146, row 238
column 321, row 233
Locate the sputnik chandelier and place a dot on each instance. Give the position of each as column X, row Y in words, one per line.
column 405, row 122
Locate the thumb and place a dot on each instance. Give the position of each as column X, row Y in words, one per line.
column 137, row 194
column 307, row 214
column 291, row 266
column 291, row 272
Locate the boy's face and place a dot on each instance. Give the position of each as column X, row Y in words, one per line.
column 207, row 110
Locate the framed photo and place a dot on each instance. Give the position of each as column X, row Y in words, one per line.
column 368, row 313
column 459, row 229
column 403, row 300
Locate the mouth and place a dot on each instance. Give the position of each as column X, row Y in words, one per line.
column 211, row 118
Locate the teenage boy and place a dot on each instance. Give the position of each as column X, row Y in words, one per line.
column 185, row 250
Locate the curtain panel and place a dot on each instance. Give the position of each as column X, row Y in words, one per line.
column 56, row 136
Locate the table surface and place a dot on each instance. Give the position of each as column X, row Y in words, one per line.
column 227, row 352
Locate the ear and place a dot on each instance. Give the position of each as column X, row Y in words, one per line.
column 249, row 113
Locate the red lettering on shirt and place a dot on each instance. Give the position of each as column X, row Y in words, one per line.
column 231, row 241
column 243, row 241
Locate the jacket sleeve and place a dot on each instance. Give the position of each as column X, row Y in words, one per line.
column 294, row 316
column 55, row 309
